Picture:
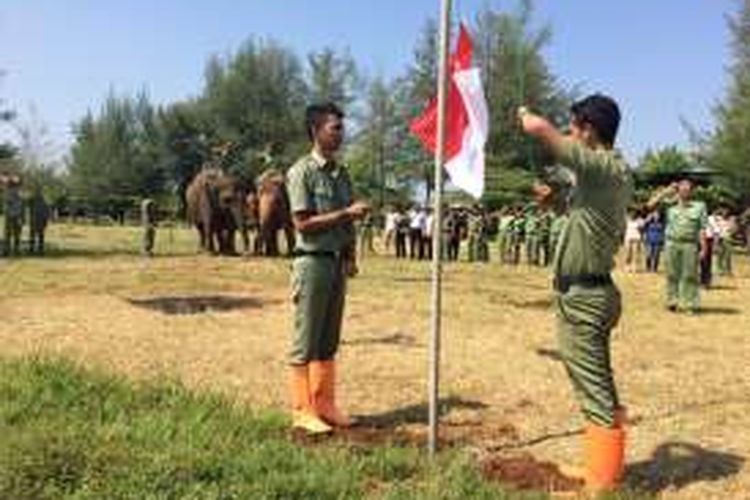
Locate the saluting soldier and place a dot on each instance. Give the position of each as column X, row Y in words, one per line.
column 686, row 243
column 588, row 301
column 320, row 196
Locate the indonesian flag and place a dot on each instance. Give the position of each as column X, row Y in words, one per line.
column 466, row 121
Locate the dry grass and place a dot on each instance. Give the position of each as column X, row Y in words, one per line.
column 685, row 379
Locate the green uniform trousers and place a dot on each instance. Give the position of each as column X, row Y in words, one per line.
column 503, row 243
column 682, row 274
column 532, row 250
column 585, row 317
column 318, row 290
column 725, row 257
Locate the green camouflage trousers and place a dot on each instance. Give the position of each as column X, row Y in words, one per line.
column 318, row 291
column 585, row 317
column 682, row 275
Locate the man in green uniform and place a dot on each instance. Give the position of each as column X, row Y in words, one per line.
column 588, row 302
column 545, row 227
column 685, row 235
column 504, row 234
column 323, row 213
column 531, row 232
column 148, row 223
column 38, row 218
column 13, row 216
column 473, row 232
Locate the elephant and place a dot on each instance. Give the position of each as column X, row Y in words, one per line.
column 214, row 202
column 274, row 213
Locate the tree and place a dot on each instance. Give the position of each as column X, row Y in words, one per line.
column 332, row 77
column 665, row 161
column 728, row 148
column 255, row 100
column 115, row 157
column 515, row 73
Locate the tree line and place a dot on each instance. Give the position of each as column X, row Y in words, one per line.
column 252, row 102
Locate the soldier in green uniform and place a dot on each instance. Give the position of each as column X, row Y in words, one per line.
column 13, row 216
column 685, row 243
column 148, row 223
column 473, row 233
column 504, row 234
column 531, row 235
column 38, row 218
column 545, row 227
column 588, row 302
column 320, row 196
column 517, row 226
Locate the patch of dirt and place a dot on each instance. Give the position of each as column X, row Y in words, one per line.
column 524, row 472
column 197, row 304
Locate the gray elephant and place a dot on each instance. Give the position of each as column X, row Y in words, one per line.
column 215, row 202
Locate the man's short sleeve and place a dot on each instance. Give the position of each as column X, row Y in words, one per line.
column 300, row 200
column 582, row 159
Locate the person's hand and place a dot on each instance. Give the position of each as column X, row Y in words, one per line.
column 357, row 210
column 529, row 121
column 542, row 193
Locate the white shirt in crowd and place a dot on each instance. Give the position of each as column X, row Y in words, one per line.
column 390, row 221
column 633, row 229
column 417, row 220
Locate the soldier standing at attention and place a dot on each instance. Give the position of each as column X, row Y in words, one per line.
column 588, row 302
column 13, row 216
column 148, row 223
column 323, row 213
column 38, row 218
column 686, row 243
column 531, row 232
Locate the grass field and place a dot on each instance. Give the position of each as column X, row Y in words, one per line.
column 95, row 302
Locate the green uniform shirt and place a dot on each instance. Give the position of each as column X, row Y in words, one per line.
column 686, row 221
column 596, row 220
column 320, row 186
column 532, row 224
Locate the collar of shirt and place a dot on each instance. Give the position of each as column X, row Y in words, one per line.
column 321, row 162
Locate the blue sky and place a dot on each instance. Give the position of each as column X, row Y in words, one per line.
column 662, row 59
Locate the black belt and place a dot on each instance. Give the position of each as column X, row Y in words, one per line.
column 563, row 283
column 316, row 253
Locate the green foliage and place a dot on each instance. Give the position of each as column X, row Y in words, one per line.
column 728, row 148
column 74, row 434
column 117, row 152
column 668, row 160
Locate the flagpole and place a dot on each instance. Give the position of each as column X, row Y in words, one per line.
column 437, row 231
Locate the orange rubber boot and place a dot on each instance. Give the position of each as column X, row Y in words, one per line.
column 605, row 450
column 303, row 416
column 323, row 393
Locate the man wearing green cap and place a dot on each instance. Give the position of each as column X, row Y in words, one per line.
column 588, row 302
column 686, row 243
column 320, row 197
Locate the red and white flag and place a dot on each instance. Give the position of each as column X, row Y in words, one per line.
column 466, row 123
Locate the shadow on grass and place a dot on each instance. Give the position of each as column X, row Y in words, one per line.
column 415, row 414
column 719, row 311
column 676, row 464
column 197, row 304
column 552, row 354
column 398, row 338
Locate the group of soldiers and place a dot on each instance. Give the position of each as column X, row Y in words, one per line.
column 524, row 230
column 16, row 206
